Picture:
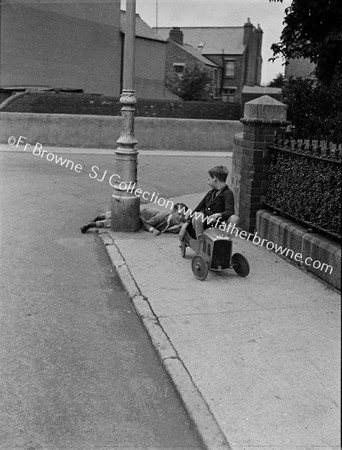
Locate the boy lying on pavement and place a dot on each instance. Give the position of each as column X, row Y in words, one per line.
column 152, row 220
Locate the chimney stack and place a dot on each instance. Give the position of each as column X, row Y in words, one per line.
column 176, row 35
column 248, row 29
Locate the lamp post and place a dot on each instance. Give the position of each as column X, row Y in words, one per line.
column 156, row 16
column 124, row 203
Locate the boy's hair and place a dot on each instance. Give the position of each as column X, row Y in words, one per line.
column 180, row 207
column 220, row 172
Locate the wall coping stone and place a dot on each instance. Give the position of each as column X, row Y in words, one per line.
column 271, row 122
column 266, row 108
column 328, row 251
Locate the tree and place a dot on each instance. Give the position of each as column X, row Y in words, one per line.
column 278, row 81
column 314, row 109
column 313, row 29
column 191, row 85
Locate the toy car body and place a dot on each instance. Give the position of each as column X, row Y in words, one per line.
column 213, row 251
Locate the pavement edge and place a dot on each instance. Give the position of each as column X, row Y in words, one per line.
column 206, row 425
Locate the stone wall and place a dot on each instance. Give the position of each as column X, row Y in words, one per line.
column 65, row 130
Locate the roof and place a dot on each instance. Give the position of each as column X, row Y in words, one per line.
column 260, row 90
column 196, row 54
column 216, row 40
column 141, row 28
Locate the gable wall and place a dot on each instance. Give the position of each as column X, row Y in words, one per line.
column 175, row 54
column 150, row 57
column 40, row 47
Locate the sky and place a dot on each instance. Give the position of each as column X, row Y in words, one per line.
column 220, row 13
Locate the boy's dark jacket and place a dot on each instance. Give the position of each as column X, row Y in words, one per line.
column 212, row 203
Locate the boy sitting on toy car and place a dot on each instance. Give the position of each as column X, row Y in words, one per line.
column 217, row 205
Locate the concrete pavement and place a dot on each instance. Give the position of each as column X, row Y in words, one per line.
column 256, row 360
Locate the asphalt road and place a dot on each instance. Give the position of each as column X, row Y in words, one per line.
column 77, row 370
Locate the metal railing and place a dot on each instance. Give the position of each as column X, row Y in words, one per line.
column 305, row 182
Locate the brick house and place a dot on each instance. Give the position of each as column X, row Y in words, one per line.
column 180, row 55
column 235, row 50
column 76, row 45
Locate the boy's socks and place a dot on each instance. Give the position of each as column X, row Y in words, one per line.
column 84, row 229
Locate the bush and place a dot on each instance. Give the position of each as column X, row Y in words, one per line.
column 315, row 110
column 193, row 85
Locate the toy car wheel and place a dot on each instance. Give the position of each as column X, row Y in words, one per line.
column 183, row 248
column 240, row 265
column 199, row 267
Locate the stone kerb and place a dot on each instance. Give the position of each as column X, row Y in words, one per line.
column 251, row 158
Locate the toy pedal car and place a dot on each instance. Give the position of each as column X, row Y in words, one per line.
column 213, row 251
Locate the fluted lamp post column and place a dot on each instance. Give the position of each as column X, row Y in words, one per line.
column 124, row 203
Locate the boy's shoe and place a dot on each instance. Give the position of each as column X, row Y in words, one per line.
column 84, row 229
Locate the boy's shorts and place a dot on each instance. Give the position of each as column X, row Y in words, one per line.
column 106, row 221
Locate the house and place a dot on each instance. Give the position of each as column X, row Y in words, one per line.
column 235, row 50
column 77, row 45
column 149, row 46
column 180, row 55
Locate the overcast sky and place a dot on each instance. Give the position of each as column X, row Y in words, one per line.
column 209, row 13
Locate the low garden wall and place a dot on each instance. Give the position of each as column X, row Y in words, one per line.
column 65, row 130
column 324, row 254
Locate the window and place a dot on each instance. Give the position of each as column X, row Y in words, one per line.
column 214, row 76
column 230, row 69
column 229, row 95
column 179, row 68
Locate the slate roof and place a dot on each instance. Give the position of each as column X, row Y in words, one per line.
column 141, row 28
column 188, row 48
column 215, row 39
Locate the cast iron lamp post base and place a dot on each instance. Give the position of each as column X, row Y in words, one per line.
column 125, row 206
